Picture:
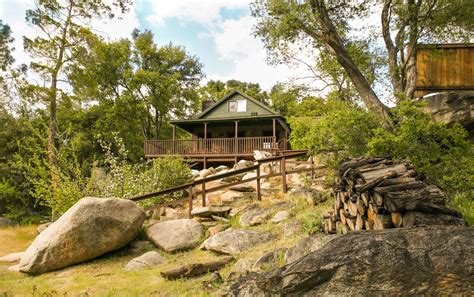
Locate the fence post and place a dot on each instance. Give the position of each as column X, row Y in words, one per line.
column 190, row 195
column 312, row 167
column 259, row 195
column 283, row 174
column 203, row 193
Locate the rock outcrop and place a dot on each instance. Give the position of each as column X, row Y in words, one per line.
column 420, row 261
column 232, row 241
column 450, row 108
column 176, row 235
column 90, row 228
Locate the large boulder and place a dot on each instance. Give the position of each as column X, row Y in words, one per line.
column 428, row 261
column 306, row 246
column 232, row 241
column 176, row 235
column 90, row 228
column 450, row 108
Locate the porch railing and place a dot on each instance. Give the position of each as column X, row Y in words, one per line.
column 210, row 146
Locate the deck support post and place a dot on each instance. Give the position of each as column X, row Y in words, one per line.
column 274, row 133
column 236, row 135
column 190, row 195
column 283, row 174
column 205, row 162
column 259, row 195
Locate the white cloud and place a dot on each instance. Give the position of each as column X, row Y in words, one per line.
column 200, row 11
column 234, row 41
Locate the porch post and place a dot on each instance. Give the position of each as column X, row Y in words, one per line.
column 286, row 139
column 274, row 132
column 236, row 133
column 205, row 138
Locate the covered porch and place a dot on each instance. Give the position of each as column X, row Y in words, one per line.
column 223, row 139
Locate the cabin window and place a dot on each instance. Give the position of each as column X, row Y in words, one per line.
column 237, row 105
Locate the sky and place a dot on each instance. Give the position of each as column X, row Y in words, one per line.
column 218, row 32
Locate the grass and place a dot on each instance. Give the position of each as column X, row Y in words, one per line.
column 105, row 275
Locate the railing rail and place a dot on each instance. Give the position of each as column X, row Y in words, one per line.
column 209, row 146
column 202, row 182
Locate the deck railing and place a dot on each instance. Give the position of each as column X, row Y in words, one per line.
column 210, row 146
column 199, row 187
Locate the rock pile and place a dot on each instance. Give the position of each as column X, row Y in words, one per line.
column 376, row 193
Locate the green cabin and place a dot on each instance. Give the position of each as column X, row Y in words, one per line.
column 226, row 131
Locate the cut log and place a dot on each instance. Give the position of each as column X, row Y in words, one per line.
column 355, row 163
column 374, row 174
column 397, row 219
column 400, row 187
column 370, row 215
column 382, row 222
column 426, row 200
column 351, row 223
column 368, row 225
column 365, row 199
column 376, row 209
column 361, row 208
column 374, row 182
column 359, row 225
column 378, row 199
column 352, row 207
column 415, row 218
column 342, row 215
column 195, row 269
column 397, row 180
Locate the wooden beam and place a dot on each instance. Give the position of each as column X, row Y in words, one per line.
column 274, row 132
column 205, row 131
column 259, row 195
column 283, row 174
column 236, row 135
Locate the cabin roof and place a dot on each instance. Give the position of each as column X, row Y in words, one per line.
column 218, row 112
column 256, row 106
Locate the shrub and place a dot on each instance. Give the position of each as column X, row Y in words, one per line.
column 338, row 129
column 443, row 153
column 124, row 180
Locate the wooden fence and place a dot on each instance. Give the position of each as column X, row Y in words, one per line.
column 283, row 172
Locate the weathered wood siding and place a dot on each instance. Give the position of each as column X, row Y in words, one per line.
column 441, row 68
column 221, row 111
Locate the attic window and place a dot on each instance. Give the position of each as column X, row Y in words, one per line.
column 237, row 105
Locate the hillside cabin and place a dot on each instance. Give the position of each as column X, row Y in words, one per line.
column 226, row 131
column 444, row 68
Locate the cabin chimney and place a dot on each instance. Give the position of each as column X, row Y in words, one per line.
column 206, row 104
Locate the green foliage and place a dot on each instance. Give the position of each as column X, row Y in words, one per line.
column 464, row 203
column 124, row 180
column 335, row 127
column 443, row 153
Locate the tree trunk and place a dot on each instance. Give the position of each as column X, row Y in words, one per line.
column 334, row 43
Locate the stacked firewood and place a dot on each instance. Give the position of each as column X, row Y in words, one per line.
column 376, row 193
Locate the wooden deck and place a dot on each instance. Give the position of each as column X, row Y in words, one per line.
column 213, row 147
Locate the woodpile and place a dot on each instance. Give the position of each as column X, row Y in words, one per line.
column 376, row 193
